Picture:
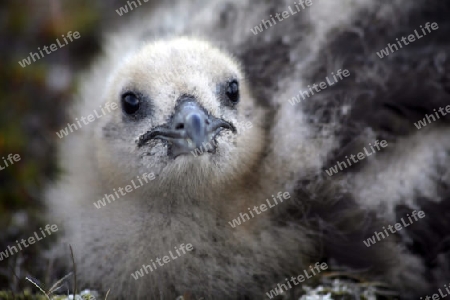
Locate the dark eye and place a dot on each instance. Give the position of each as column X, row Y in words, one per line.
column 233, row 91
column 130, row 103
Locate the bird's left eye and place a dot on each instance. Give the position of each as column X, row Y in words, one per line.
column 130, row 103
column 233, row 91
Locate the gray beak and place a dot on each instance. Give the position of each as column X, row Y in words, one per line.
column 191, row 122
column 190, row 127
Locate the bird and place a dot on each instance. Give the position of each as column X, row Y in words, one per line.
column 215, row 119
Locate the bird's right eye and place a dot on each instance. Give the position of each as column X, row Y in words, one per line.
column 130, row 103
column 233, row 91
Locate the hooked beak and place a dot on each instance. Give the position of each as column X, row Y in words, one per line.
column 189, row 128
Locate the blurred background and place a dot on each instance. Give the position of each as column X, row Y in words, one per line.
column 32, row 102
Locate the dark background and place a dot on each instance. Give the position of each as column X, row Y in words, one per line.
column 32, row 108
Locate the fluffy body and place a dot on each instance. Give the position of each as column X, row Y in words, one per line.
column 288, row 148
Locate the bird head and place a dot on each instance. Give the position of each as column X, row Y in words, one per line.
column 184, row 109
